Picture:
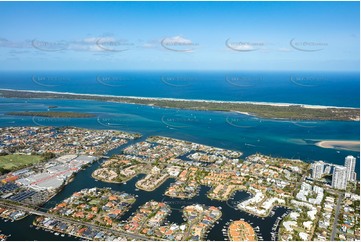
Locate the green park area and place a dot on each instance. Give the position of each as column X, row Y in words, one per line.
column 16, row 161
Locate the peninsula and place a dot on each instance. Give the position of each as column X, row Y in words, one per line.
column 260, row 109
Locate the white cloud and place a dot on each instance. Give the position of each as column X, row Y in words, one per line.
column 177, row 39
column 284, row 49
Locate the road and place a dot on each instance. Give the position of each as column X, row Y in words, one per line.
column 340, row 196
column 73, row 221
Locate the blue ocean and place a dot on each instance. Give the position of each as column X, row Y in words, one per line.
column 329, row 88
column 280, row 138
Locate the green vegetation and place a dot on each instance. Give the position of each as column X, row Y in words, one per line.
column 52, row 114
column 292, row 112
column 94, row 202
column 48, row 156
column 15, row 162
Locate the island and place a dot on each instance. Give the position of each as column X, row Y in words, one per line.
column 241, row 231
column 52, row 114
column 296, row 112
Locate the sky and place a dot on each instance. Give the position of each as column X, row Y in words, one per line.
column 267, row 36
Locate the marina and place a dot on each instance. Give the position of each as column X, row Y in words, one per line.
column 84, row 180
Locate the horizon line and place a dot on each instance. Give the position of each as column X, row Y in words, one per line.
column 208, row 70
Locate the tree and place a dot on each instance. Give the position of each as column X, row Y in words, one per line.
column 48, row 156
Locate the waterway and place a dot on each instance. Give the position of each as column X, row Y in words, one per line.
column 281, row 138
column 21, row 230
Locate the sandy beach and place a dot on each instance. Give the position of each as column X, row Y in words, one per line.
column 340, row 144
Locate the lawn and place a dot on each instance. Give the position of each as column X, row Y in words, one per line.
column 15, row 162
column 94, row 202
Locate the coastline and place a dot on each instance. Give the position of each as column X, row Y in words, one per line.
column 275, row 104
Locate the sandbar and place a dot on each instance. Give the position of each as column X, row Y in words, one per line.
column 339, row 144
